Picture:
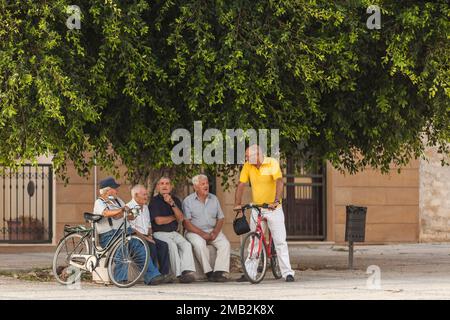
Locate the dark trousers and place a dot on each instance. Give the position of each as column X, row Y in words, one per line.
column 159, row 252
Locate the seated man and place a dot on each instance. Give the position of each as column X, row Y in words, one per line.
column 203, row 221
column 111, row 221
column 159, row 250
column 165, row 214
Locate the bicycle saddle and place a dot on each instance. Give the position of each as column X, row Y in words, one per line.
column 92, row 217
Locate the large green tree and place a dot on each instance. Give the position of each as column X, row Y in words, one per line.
column 137, row 70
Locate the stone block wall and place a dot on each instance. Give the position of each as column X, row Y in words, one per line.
column 434, row 199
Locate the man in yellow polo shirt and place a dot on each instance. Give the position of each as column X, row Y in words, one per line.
column 266, row 180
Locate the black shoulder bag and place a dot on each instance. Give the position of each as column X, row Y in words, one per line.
column 240, row 225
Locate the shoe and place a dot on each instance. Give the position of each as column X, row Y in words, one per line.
column 243, row 278
column 219, row 277
column 157, row 280
column 290, row 278
column 187, row 277
column 187, row 272
column 168, row 278
column 210, row 276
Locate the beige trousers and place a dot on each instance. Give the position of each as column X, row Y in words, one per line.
column 201, row 252
column 180, row 252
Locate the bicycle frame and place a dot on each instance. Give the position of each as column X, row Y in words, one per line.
column 259, row 230
column 94, row 250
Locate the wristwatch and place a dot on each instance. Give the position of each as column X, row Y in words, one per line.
column 173, row 205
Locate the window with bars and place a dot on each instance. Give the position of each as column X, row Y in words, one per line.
column 26, row 204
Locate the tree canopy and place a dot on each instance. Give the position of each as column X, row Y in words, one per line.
column 136, row 70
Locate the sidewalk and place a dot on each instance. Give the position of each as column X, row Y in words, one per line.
column 407, row 271
column 401, row 257
column 25, row 261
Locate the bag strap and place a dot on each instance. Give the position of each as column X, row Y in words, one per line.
column 110, row 222
column 237, row 213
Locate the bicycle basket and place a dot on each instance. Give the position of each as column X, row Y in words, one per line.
column 240, row 225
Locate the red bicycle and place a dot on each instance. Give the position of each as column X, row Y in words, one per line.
column 255, row 251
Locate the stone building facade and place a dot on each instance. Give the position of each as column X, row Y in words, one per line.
column 434, row 199
column 407, row 207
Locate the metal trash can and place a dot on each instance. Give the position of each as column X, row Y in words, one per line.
column 355, row 228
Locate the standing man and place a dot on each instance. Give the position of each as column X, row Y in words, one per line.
column 111, row 208
column 165, row 214
column 159, row 250
column 265, row 177
column 203, row 221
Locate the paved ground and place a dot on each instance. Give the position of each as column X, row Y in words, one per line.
column 418, row 271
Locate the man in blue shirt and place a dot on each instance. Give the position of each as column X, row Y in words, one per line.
column 203, row 221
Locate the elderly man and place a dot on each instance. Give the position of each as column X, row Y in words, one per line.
column 165, row 214
column 203, row 221
column 159, row 250
column 266, row 180
column 112, row 212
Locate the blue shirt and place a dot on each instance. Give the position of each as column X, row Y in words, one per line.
column 202, row 215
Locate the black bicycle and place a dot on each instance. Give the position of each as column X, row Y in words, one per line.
column 78, row 252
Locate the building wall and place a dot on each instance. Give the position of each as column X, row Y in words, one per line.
column 434, row 199
column 392, row 201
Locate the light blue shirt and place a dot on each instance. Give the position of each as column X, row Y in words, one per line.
column 202, row 215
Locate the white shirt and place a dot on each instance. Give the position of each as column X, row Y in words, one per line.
column 142, row 221
column 103, row 225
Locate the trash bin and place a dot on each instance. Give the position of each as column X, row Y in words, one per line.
column 355, row 223
column 355, row 228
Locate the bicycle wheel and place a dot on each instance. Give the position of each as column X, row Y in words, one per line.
column 128, row 261
column 274, row 264
column 253, row 263
column 63, row 271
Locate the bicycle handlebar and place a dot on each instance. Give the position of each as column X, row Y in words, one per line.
column 253, row 206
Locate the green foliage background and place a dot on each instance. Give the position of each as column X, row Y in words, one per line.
column 139, row 69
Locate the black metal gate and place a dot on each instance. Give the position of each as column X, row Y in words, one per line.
column 305, row 202
column 26, row 204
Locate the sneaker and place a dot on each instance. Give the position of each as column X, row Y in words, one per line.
column 243, row 278
column 187, row 277
column 290, row 278
column 157, row 280
column 219, row 277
